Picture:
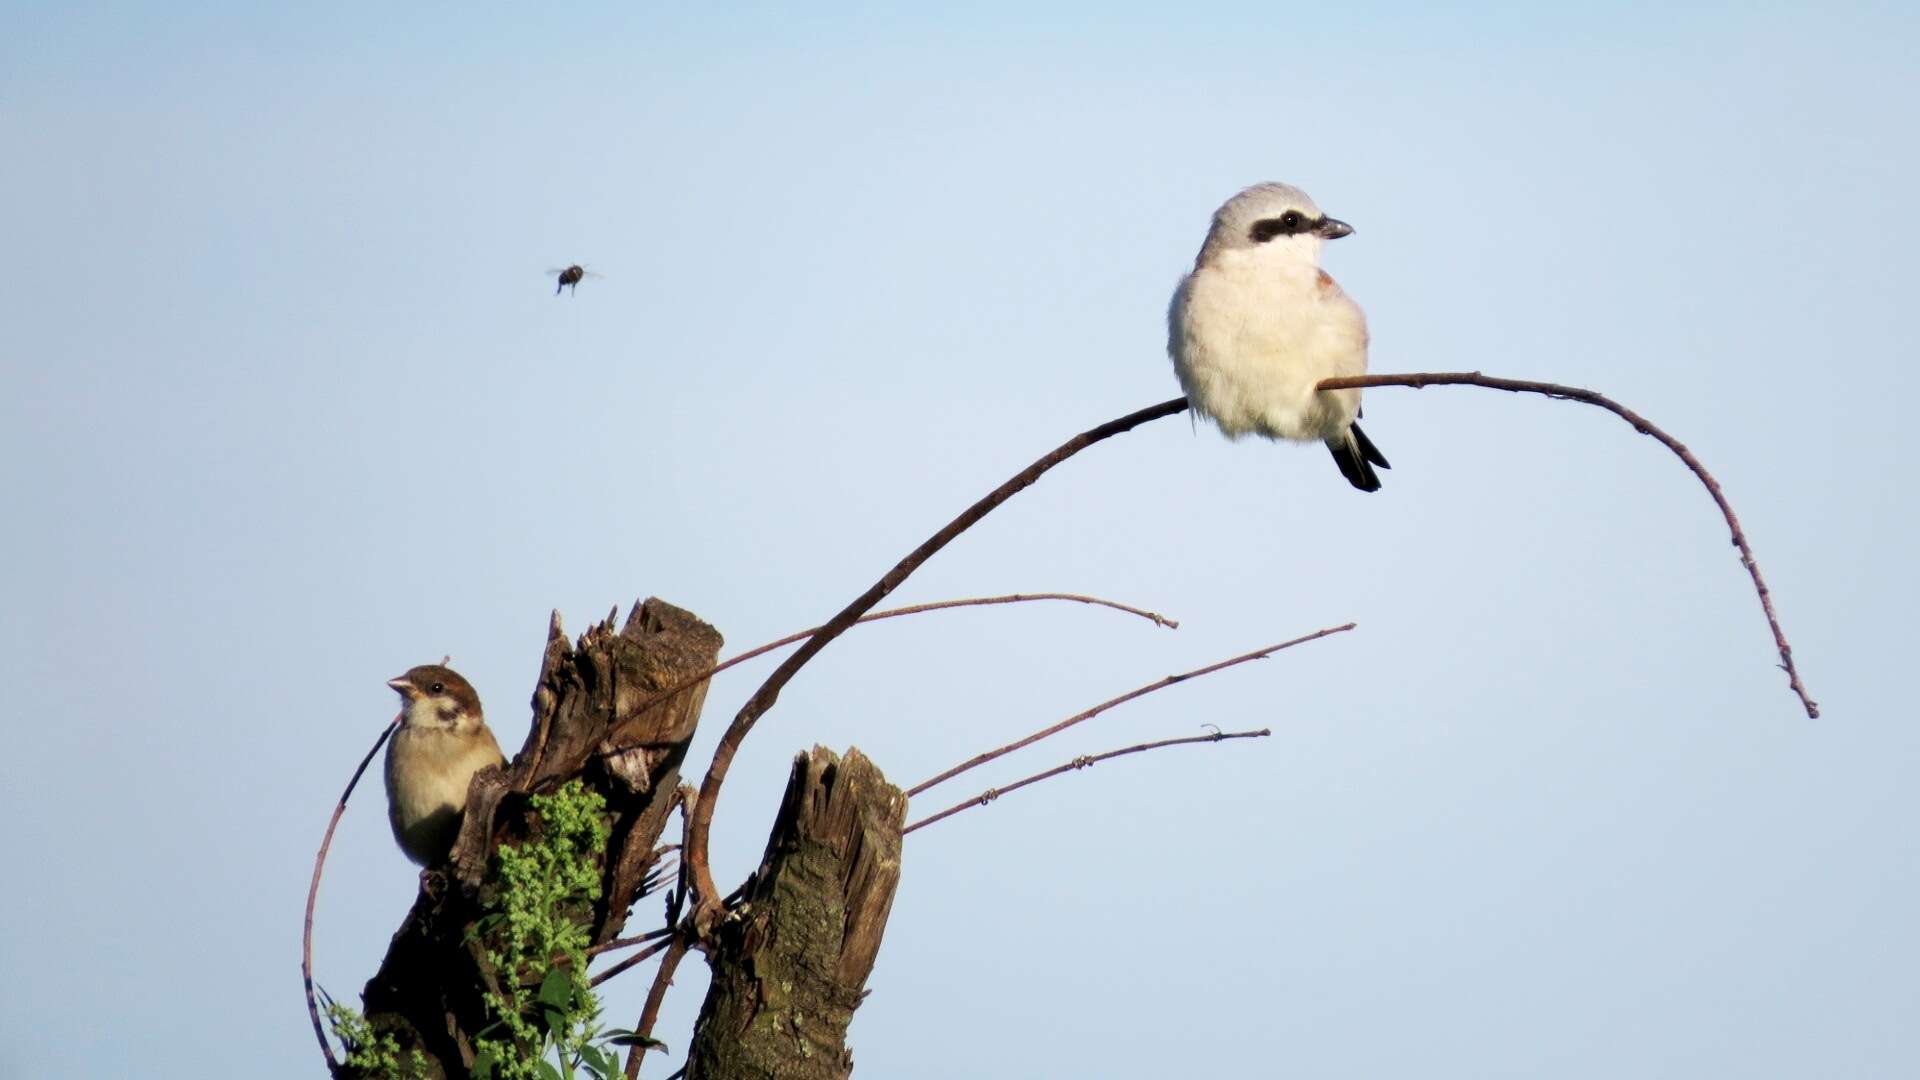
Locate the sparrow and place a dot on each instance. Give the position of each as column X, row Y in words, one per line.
column 1257, row 324
column 443, row 740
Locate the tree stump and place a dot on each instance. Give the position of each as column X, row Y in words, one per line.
column 790, row 965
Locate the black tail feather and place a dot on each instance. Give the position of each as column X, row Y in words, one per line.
column 1356, row 455
column 1367, row 449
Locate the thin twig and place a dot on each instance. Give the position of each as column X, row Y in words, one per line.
column 621, row 943
column 981, row 759
column 893, row 613
column 313, row 894
column 1082, row 762
column 631, row 961
column 1644, row 427
column 650, row 1013
column 706, row 894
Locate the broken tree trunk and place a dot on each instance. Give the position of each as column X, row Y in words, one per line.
column 790, row 965
column 595, row 718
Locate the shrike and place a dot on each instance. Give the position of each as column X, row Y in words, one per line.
column 1257, row 324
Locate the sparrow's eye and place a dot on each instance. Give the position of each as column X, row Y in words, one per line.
column 437, row 688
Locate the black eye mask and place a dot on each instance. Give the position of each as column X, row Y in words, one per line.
column 1291, row 223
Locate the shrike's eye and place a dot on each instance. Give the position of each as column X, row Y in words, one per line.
column 1288, row 224
column 437, row 688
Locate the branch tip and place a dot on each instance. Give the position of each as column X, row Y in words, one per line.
column 1171, row 680
column 1420, row 380
column 1078, row 763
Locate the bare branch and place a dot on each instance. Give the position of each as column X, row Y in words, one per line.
column 650, row 1012
column 313, row 894
column 1257, row 654
column 676, row 947
column 707, row 895
column 913, row 609
column 1082, row 762
column 938, row 605
column 621, row 943
column 636, row 959
column 1644, row 427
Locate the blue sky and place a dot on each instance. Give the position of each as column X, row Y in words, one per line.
column 286, row 406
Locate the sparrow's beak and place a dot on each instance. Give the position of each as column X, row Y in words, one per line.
column 404, row 687
column 1333, row 229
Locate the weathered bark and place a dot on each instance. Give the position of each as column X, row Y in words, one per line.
column 590, row 720
column 791, row 965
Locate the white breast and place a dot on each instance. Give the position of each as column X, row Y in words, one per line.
column 1250, row 339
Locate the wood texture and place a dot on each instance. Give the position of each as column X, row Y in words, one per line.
column 790, row 966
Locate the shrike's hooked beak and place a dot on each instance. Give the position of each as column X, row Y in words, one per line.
column 1333, row 229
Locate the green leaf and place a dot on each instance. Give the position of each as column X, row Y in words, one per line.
column 547, row 1071
column 483, row 1065
column 600, row 1061
column 556, row 990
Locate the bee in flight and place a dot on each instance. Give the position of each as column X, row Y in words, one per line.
column 570, row 277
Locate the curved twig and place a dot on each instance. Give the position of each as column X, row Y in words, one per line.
column 313, row 894
column 1081, row 762
column 893, row 613
column 769, row 692
column 706, row 894
column 1644, row 427
column 1258, row 654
